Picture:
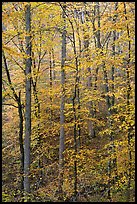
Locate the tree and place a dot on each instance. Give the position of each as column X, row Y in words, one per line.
column 129, row 131
column 68, row 95
column 20, row 112
column 62, row 105
column 28, row 103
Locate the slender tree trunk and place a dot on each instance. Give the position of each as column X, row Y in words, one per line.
column 77, row 64
column 89, row 84
column 27, row 139
column 37, row 111
column 75, row 97
column 114, row 161
column 97, row 45
column 51, row 81
column 18, row 100
column 21, row 138
column 37, row 114
column 75, row 147
column 53, row 63
column 76, row 118
column 109, row 123
column 110, row 104
column 62, row 107
column 98, row 40
column 98, row 27
column 77, row 90
column 128, row 106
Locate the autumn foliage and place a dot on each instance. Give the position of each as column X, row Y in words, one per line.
column 98, row 93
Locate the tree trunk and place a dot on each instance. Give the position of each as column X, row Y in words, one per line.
column 62, row 107
column 75, row 147
column 51, row 81
column 91, row 129
column 97, row 45
column 37, row 114
column 128, row 106
column 21, row 138
column 76, row 118
column 53, row 63
column 114, row 161
column 109, row 123
column 28, row 104
column 18, row 100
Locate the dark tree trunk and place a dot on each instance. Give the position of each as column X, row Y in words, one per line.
column 18, row 100
column 53, row 64
column 75, row 148
column 21, row 138
column 37, row 114
column 91, row 129
column 97, row 45
column 128, row 106
column 114, row 161
column 76, row 119
column 51, row 82
column 62, row 107
column 27, row 139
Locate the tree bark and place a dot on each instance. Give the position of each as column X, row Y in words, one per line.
column 114, row 161
column 18, row 100
column 21, row 137
column 37, row 114
column 91, row 129
column 62, row 106
column 27, row 139
column 109, row 123
column 53, row 63
column 97, row 45
column 128, row 105
column 51, row 82
column 76, row 118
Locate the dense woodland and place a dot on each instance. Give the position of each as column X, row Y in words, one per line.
column 68, row 101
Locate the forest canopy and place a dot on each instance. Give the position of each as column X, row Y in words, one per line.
column 68, row 101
